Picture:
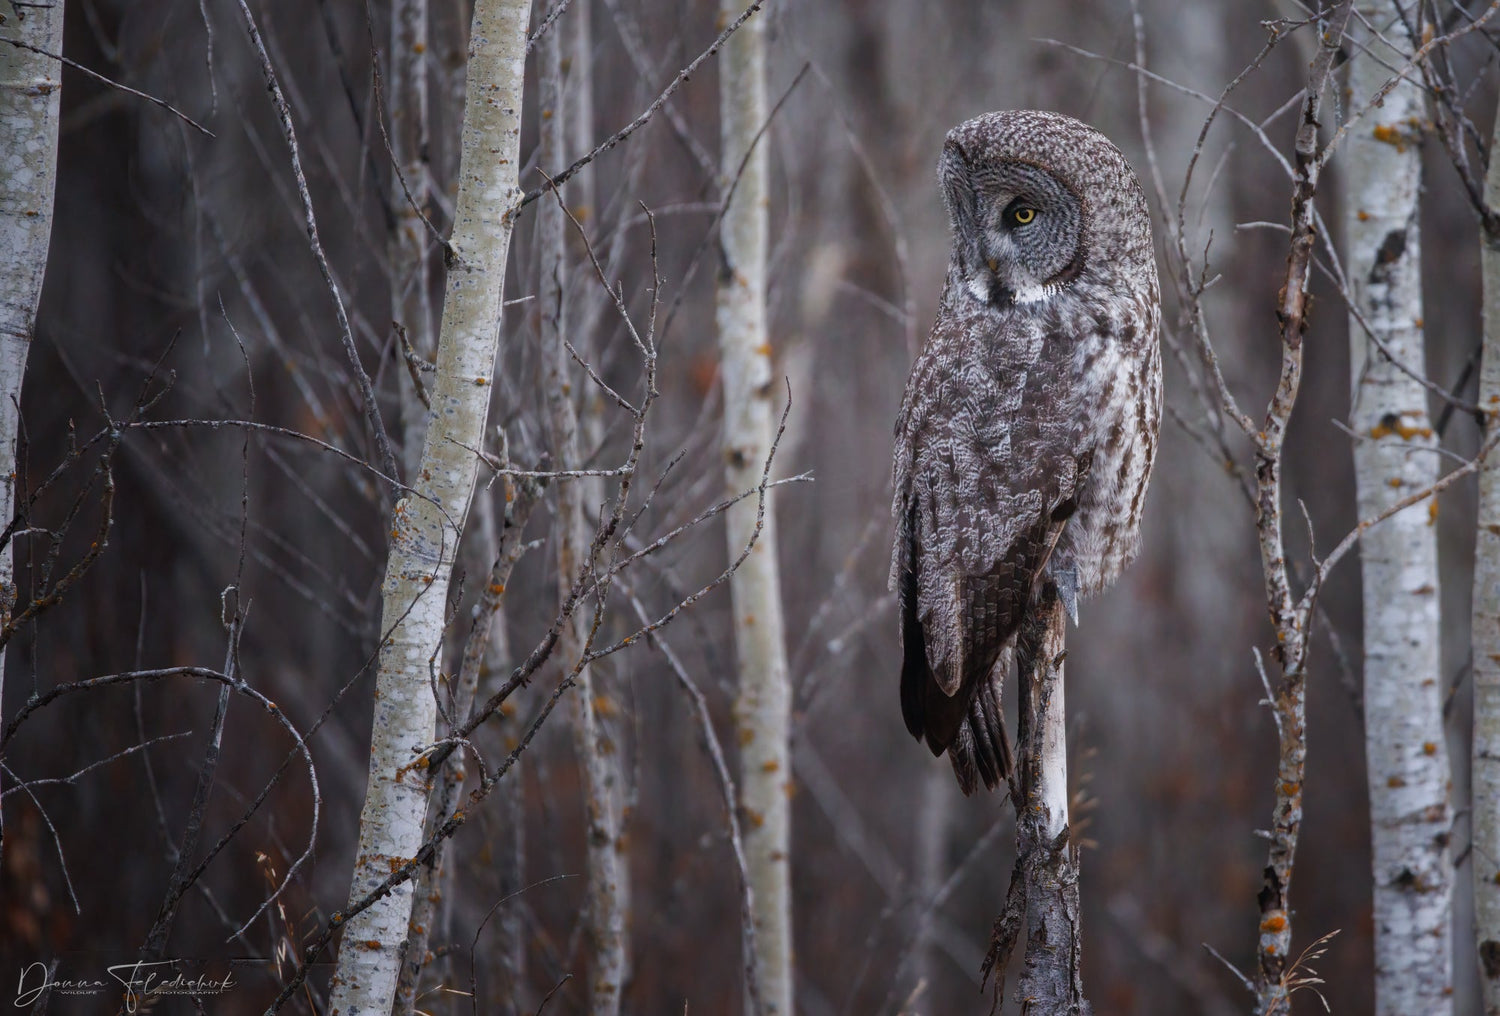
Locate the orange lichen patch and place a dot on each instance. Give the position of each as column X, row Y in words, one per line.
column 415, row 764
column 755, row 818
column 764, row 349
column 497, row 588
column 1289, row 788
column 507, row 709
column 604, row 706
column 371, row 944
column 746, row 736
column 1394, row 481
column 749, row 620
column 1394, row 782
column 1390, row 136
column 770, row 766
column 1362, row 215
column 581, row 212
column 1432, row 511
column 1391, row 423
column 1416, row 322
column 789, row 789
column 1426, row 590
column 1273, row 924
column 1429, row 748
column 481, row 382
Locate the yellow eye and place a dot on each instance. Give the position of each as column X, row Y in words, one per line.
column 1022, row 216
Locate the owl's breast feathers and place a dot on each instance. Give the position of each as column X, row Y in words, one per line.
column 1017, row 434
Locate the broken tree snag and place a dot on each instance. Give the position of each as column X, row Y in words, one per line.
column 1051, row 979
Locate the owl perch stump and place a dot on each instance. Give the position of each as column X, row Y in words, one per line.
column 1043, row 894
column 1023, row 449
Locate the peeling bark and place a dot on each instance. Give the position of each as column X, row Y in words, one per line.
column 1051, row 979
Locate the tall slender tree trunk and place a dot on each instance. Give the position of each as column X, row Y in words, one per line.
column 1394, row 454
column 597, row 759
column 427, row 524
column 30, row 96
column 411, row 301
column 1486, row 627
column 763, row 707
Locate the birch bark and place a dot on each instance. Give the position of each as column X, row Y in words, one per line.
column 411, row 301
column 1407, row 761
column 30, row 94
column 1486, row 631
column 763, row 707
column 597, row 759
column 427, row 524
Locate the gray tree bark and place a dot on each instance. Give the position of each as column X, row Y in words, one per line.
column 411, row 302
column 1486, row 631
column 1051, row 980
column 597, row 759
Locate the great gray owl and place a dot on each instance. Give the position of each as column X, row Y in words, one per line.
column 1029, row 423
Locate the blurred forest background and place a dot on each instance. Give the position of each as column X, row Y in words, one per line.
column 162, row 232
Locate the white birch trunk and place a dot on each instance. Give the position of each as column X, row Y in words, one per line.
column 597, row 760
column 1486, row 634
column 763, row 706
column 1410, row 813
column 411, row 303
column 427, row 525
column 30, row 94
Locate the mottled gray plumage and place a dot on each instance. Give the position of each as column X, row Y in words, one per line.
column 1029, row 424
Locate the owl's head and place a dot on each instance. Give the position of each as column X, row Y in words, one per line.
column 1038, row 200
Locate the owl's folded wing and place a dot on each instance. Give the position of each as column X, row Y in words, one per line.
column 978, row 514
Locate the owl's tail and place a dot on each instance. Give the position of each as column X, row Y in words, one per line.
column 982, row 751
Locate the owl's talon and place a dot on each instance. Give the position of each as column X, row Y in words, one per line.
column 1067, row 591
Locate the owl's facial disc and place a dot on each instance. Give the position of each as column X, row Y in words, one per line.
column 1017, row 229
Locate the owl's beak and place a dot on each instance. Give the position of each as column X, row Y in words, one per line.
column 993, row 264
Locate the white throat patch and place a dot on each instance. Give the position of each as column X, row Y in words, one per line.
column 1034, row 294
